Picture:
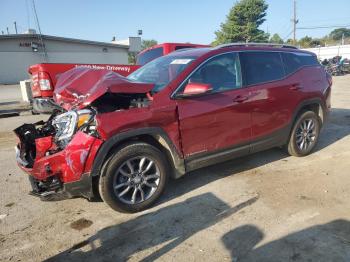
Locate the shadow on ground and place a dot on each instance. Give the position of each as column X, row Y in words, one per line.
column 327, row 242
column 336, row 128
column 168, row 227
column 165, row 229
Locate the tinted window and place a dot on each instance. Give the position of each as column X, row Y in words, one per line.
column 260, row 67
column 222, row 73
column 294, row 61
column 182, row 47
column 149, row 55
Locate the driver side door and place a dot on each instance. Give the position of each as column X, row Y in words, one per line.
column 218, row 123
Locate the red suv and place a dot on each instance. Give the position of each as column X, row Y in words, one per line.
column 124, row 137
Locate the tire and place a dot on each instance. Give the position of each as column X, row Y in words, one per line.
column 302, row 131
column 123, row 172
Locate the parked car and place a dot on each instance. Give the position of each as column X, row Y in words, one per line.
column 124, row 137
column 44, row 76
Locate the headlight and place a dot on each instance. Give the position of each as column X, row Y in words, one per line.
column 66, row 124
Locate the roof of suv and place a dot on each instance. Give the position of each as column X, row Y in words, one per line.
column 239, row 47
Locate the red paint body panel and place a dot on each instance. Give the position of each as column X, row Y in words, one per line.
column 213, row 122
column 68, row 164
column 161, row 113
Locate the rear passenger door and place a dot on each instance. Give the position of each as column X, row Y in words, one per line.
column 272, row 99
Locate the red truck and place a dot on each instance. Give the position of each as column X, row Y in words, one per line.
column 44, row 76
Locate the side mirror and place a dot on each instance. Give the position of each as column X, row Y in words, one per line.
column 194, row 89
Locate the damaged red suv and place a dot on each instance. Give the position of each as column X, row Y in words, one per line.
column 124, row 137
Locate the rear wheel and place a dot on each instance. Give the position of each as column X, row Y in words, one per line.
column 135, row 177
column 304, row 135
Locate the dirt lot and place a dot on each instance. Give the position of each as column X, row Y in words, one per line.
column 265, row 207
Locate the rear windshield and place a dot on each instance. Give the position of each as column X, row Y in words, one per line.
column 149, row 55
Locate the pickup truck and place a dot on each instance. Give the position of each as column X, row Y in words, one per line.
column 44, row 76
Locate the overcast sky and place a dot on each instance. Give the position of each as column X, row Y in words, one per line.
column 164, row 20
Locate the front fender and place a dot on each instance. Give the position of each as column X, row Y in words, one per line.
column 156, row 133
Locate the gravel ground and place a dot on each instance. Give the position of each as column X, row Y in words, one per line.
column 265, row 207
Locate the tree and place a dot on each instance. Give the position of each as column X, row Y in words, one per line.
column 148, row 43
column 276, row 39
column 305, row 41
column 242, row 23
column 338, row 33
column 144, row 45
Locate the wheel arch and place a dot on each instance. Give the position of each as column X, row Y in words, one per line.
column 316, row 105
column 152, row 135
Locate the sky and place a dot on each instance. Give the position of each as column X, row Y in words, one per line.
column 192, row 21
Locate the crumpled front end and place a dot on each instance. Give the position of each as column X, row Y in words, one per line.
column 57, row 170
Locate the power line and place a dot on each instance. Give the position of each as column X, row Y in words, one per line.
column 320, row 27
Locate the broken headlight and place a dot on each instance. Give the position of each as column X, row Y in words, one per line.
column 68, row 123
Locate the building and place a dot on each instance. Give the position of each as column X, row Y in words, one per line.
column 19, row 51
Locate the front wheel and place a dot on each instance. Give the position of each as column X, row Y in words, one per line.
column 135, row 177
column 304, row 135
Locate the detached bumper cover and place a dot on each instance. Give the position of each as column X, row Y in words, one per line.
column 65, row 172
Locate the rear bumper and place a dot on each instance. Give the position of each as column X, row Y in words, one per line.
column 44, row 105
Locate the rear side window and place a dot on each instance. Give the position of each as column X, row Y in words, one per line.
column 261, row 67
column 149, row 55
column 294, row 61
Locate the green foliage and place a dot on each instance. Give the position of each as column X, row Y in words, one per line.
column 337, row 34
column 148, row 43
column 305, row 41
column 242, row 23
column 276, row 39
column 144, row 45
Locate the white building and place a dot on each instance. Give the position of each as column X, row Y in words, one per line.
column 19, row 51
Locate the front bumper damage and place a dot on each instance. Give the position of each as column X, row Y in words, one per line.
column 54, row 173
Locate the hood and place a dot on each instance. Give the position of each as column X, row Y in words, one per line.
column 79, row 87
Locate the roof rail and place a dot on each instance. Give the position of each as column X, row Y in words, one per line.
column 256, row 44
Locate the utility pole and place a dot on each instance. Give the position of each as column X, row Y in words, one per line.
column 294, row 21
column 15, row 27
column 343, row 39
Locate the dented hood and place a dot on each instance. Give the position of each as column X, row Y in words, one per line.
column 79, row 87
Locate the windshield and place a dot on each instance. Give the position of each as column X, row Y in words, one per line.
column 161, row 71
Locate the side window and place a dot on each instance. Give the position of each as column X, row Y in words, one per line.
column 260, row 67
column 294, row 61
column 222, row 72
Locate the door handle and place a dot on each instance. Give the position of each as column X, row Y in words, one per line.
column 296, row 87
column 240, row 99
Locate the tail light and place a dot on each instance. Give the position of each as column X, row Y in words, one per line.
column 44, row 81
